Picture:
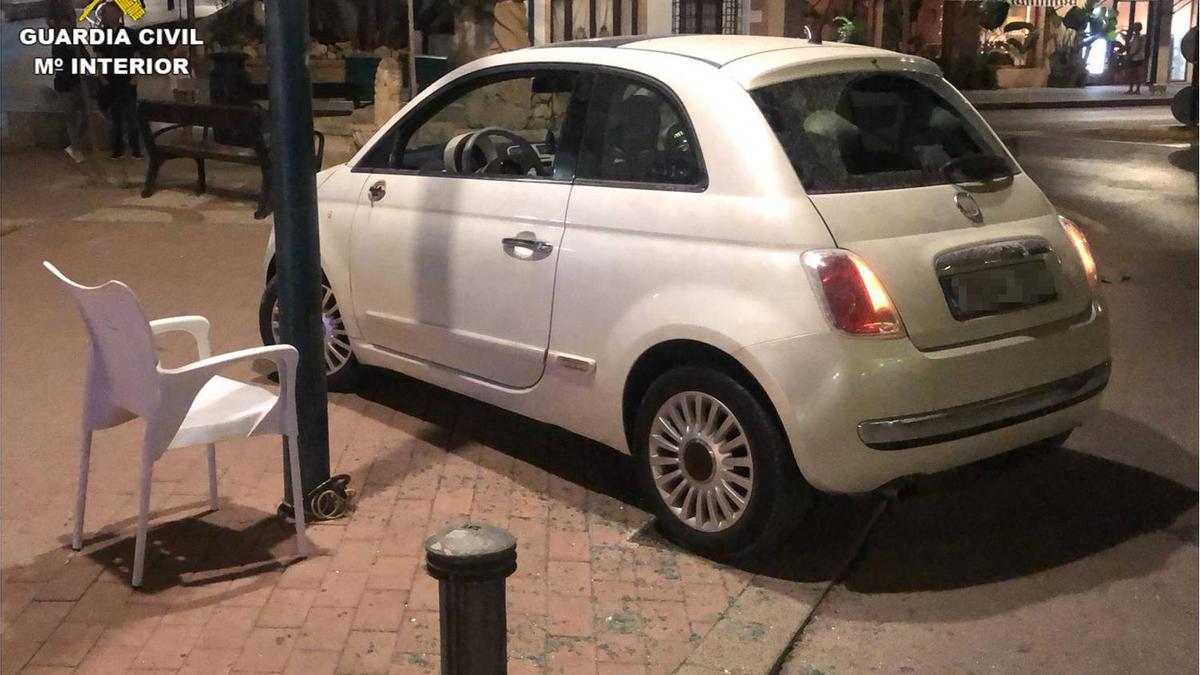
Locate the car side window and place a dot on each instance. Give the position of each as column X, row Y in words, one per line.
column 505, row 125
column 637, row 134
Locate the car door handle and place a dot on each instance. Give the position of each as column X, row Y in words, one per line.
column 377, row 191
column 534, row 245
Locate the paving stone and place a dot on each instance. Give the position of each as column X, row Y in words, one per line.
column 309, row 662
column 306, row 573
column 380, row 611
column 286, row 608
column 266, row 650
column 569, row 546
column 133, row 625
column 570, row 578
column 71, row 582
column 37, row 621
column 209, row 661
column 228, row 628
column 368, row 653
column 419, row 632
column 326, row 629
column 107, row 659
column 354, row 556
column 167, row 647
column 424, row 594
column 393, row 572
column 341, row 589
column 569, row 616
column 68, row 644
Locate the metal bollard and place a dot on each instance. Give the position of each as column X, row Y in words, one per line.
column 470, row 562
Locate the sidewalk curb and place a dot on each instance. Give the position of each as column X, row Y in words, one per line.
column 771, row 614
column 1083, row 103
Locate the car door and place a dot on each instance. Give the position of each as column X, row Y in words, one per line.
column 456, row 240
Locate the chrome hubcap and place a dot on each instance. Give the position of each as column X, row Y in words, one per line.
column 700, row 460
column 337, row 343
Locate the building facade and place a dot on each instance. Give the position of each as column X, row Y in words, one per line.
column 1021, row 51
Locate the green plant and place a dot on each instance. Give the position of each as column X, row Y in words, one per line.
column 848, row 29
column 1004, row 44
column 993, row 13
column 1073, row 34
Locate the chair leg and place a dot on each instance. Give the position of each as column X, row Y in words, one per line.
column 139, row 551
column 212, row 477
column 297, row 495
column 264, row 195
column 201, row 184
column 152, row 168
column 85, row 457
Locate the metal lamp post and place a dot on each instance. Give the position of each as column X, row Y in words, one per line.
column 297, row 248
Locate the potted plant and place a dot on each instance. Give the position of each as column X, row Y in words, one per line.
column 1072, row 36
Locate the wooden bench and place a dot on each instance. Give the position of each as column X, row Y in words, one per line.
column 242, row 132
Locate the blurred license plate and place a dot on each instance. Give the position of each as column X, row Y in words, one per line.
column 999, row 289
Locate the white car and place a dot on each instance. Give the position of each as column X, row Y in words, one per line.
column 764, row 267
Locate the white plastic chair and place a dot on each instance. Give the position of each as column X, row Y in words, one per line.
column 186, row 406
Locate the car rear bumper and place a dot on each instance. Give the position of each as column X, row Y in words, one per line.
column 860, row 413
column 948, row 424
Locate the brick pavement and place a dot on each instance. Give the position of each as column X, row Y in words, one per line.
column 593, row 592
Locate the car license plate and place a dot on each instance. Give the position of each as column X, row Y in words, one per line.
column 998, row 289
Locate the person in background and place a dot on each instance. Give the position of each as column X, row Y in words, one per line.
column 118, row 93
column 1135, row 58
column 69, row 89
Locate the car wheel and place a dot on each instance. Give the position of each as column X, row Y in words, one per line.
column 719, row 473
column 341, row 368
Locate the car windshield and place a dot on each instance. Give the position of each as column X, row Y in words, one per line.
column 860, row 131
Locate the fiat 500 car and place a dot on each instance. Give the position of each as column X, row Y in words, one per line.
column 763, row 267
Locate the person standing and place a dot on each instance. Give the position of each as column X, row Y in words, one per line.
column 118, row 93
column 69, row 90
column 1135, row 58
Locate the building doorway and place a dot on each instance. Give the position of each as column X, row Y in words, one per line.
column 1183, row 17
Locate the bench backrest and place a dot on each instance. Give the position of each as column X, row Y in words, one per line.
column 202, row 115
column 232, row 125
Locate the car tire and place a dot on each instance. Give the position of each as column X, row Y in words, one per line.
column 774, row 494
column 342, row 368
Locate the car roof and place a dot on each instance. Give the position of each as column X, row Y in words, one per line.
column 717, row 50
column 753, row 60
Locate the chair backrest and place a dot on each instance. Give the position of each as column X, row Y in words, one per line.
column 124, row 367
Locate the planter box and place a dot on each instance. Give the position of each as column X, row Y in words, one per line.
column 1011, row 77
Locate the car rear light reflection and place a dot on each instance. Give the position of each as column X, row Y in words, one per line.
column 1083, row 249
column 855, row 300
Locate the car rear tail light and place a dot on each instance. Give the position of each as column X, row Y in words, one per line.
column 855, row 300
column 1083, row 249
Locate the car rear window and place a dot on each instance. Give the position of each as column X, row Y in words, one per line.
column 852, row 132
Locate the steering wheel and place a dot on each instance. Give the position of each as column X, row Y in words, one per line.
column 526, row 158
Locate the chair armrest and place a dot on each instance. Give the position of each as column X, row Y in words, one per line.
column 196, row 325
column 284, row 357
column 181, row 385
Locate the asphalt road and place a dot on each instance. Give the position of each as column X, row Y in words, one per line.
column 1084, row 559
